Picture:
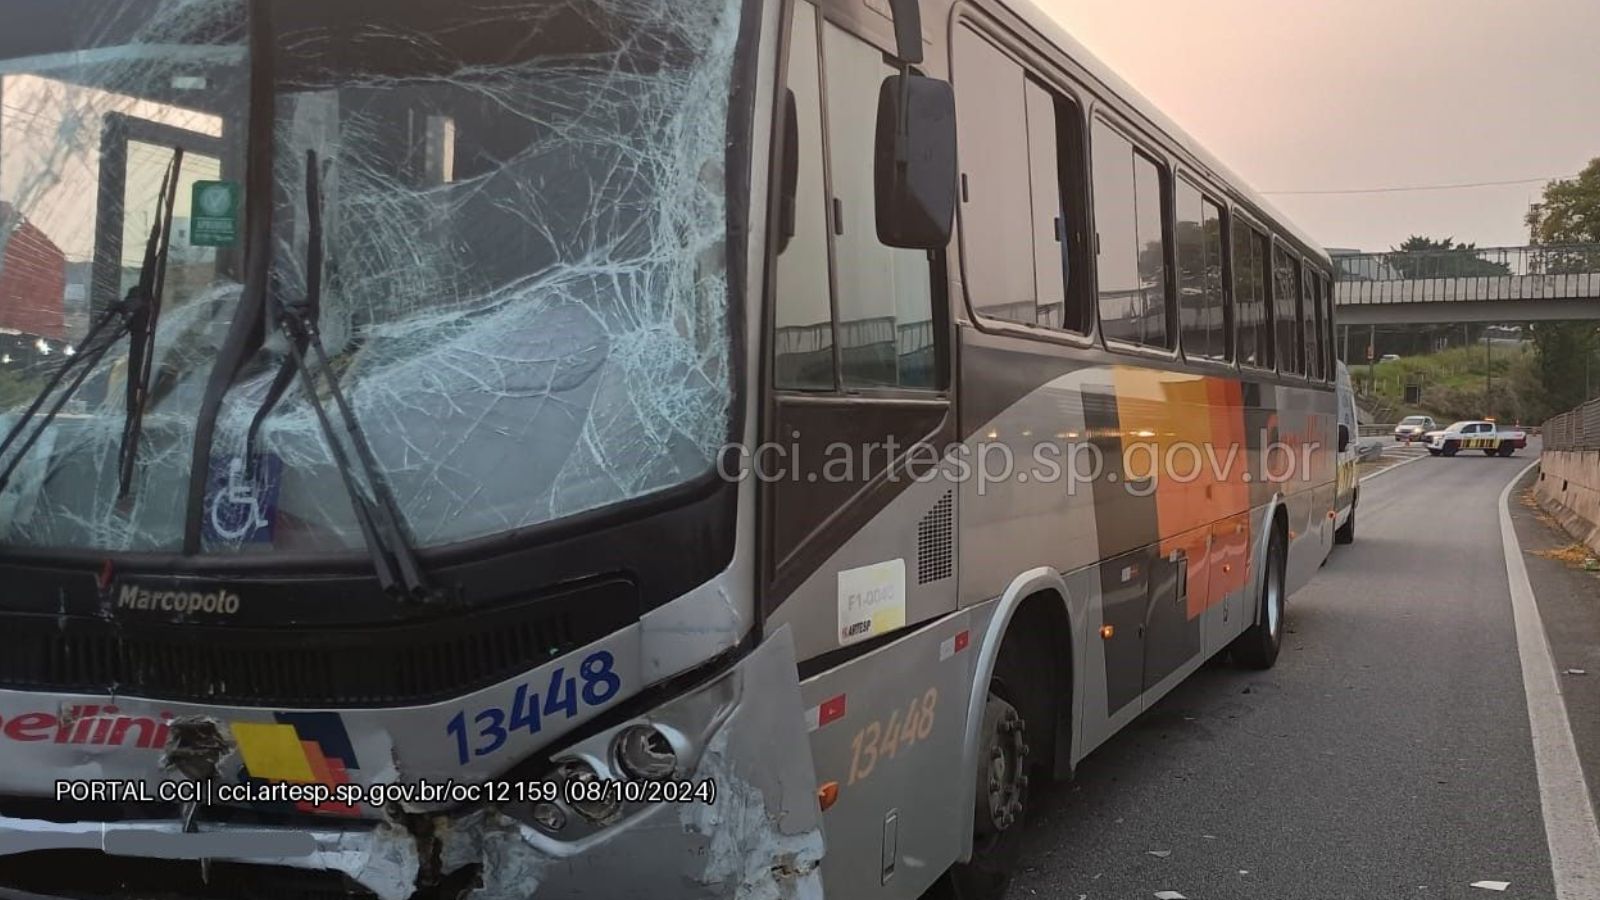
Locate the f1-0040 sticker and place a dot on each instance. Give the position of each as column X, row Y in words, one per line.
column 872, row 600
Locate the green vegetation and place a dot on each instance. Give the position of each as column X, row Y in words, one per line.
column 1568, row 213
column 1452, row 384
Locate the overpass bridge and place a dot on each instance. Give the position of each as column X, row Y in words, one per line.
column 1483, row 284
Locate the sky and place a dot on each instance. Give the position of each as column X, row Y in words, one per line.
column 1313, row 95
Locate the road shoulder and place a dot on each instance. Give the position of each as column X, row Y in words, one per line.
column 1569, row 604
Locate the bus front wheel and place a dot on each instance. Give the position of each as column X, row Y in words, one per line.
column 1015, row 717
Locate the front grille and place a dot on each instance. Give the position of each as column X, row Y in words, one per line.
column 416, row 662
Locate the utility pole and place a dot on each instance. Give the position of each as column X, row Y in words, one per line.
column 1488, row 371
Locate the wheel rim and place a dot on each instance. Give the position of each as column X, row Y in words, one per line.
column 1002, row 769
column 1275, row 595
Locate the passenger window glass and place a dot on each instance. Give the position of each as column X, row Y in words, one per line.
column 1132, row 250
column 803, row 340
column 1329, row 333
column 1152, row 250
column 992, row 123
column 1049, row 227
column 1311, row 318
column 1201, row 304
column 884, row 301
column 1249, row 297
column 1286, row 299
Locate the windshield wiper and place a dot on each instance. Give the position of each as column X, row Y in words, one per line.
column 142, row 326
column 133, row 314
column 379, row 518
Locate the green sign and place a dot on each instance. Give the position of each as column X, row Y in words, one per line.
column 214, row 214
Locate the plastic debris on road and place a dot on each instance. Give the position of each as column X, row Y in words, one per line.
column 1170, row 895
column 1575, row 672
column 1492, row 885
column 1160, row 853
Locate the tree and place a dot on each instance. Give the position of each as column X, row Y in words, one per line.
column 1425, row 257
column 1568, row 213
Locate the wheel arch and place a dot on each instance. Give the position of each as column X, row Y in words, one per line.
column 1036, row 597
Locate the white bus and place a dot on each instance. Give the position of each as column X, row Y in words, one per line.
column 614, row 448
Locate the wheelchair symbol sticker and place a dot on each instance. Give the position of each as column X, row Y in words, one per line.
column 241, row 505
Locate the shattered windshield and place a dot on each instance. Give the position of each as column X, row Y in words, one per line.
column 523, row 283
column 95, row 100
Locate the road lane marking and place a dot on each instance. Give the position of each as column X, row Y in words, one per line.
column 1569, row 820
column 1399, row 465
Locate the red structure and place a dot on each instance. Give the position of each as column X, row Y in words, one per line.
column 33, row 278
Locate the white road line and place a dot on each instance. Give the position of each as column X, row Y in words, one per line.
column 1569, row 820
column 1397, row 465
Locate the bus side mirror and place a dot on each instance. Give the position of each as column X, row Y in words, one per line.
column 914, row 166
column 1344, row 437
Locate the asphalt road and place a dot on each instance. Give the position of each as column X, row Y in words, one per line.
column 1387, row 755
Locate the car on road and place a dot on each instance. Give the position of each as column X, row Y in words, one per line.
column 1478, row 434
column 1413, row 428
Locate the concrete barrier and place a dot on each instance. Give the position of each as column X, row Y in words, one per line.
column 1569, row 489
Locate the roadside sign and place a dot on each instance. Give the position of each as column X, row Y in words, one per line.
column 214, row 214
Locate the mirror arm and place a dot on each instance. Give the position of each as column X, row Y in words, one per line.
column 907, row 15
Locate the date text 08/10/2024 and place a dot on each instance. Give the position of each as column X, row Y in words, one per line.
column 378, row 795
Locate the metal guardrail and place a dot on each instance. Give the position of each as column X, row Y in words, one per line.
column 1546, row 272
column 1577, row 429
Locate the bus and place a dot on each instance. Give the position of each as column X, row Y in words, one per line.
column 615, row 448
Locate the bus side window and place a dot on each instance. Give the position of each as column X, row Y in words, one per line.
column 1311, row 316
column 992, row 129
column 803, row 317
column 1201, row 302
column 884, row 296
column 1253, row 315
column 1328, row 332
column 1020, row 143
column 1286, row 302
column 1132, row 259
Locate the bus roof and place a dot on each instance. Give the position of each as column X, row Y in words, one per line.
column 1113, row 83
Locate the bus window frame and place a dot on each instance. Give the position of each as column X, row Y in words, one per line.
column 1239, row 215
column 1035, row 66
column 1332, row 349
column 1231, row 361
column 1150, row 150
column 1298, row 344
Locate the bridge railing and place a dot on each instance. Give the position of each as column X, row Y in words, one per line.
column 1577, row 429
column 1548, row 272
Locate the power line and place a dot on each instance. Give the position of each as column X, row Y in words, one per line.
column 1422, row 187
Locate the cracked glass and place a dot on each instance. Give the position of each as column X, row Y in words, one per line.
column 524, row 291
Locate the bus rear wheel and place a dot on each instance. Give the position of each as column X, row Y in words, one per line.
column 1258, row 647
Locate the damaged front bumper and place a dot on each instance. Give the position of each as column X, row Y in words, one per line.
column 760, row 838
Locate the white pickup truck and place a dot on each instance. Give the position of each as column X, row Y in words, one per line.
column 1476, row 435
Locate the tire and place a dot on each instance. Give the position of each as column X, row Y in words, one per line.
column 1451, row 448
column 1258, row 647
column 1490, row 452
column 1346, row 533
column 1015, row 717
column 1505, row 451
